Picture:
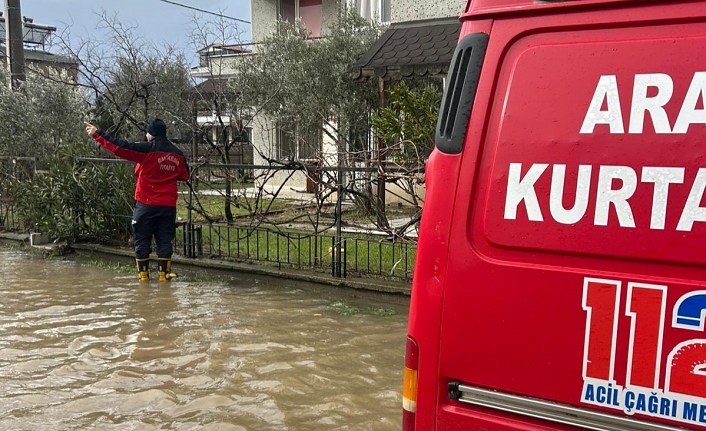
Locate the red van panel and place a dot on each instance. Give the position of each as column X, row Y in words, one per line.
column 570, row 285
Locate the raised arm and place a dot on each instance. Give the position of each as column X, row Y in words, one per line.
column 132, row 151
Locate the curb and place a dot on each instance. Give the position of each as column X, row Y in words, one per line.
column 382, row 286
column 14, row 237
column 306, row 276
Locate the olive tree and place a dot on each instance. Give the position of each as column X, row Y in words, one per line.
column 304, row 87
column 43, row 120
column 407, row 124
column 39, row 116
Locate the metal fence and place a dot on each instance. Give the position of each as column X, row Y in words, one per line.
column 288, row 249
column 336, row 252
column 9, row 219
column 285, row 249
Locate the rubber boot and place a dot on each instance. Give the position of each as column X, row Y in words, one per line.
column 164, row 266
column 143, row 269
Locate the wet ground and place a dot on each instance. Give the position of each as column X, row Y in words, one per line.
column 89, row 348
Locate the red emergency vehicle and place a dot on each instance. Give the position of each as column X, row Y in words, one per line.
column 560, row 281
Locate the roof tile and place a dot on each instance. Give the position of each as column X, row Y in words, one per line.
column 417, row 47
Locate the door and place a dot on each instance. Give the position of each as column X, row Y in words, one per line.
column 579, row 233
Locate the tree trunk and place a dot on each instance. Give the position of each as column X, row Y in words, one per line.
column 228, row 177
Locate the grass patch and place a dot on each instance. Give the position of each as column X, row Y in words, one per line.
column 110, row 266
column 213, row 207
column 12, row 246
column 382, row 311
column 299, row 249
column 345, row 309
column 355, row 216
column 217, row 185
column 201, row 277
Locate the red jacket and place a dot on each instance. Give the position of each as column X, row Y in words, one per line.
column 159, row 166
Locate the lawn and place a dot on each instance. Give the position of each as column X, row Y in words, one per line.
column 364, row 254
column 214, row 207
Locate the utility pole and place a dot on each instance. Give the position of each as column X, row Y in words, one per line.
column 14, row 39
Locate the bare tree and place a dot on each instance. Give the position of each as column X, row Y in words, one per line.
column 128, row 79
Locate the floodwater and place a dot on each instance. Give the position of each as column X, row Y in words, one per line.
column 86, row 348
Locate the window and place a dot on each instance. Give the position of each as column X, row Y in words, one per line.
column 242, row 137
column 309, row 143
column 203, row 59
column 241, row 149
column 372, row 9
column 288, row 10
column 309, row 11
column 298, row 144
column 385, row 11
column 286, row 144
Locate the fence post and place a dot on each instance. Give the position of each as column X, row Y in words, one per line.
column 339, row 200
column 333, row 256
column 344, row 257
column 189, row 243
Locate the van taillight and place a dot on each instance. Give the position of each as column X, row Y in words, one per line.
column 409, row 394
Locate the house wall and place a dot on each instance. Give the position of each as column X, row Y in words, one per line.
column 264, row 18
column 264, row 15
column 412, row 10
column 220, row 67
column 396, row 195
column 265, row 142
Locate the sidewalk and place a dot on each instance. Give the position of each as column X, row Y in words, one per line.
column 368, row 228
column 288, row 193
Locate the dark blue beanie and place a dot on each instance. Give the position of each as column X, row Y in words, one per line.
column 157, row 128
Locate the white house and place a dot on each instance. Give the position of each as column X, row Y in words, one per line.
column 413, row 21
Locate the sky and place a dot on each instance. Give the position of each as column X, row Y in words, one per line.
column 156, row 21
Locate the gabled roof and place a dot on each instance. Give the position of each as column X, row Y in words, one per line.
column 409, row 49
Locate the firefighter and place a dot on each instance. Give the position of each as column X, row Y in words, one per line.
column 160, row 165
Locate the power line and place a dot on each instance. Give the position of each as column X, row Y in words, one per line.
column 205, row 11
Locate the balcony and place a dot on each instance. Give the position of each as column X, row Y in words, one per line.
column 219, row 60
column 210, row 118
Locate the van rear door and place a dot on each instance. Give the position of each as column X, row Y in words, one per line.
column 575, row 291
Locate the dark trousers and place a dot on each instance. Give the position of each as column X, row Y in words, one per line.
column 149, row 221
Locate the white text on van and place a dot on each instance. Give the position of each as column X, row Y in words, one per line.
column 607, row 94
column 522, row 189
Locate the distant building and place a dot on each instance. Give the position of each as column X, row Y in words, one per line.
column 37, row 58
